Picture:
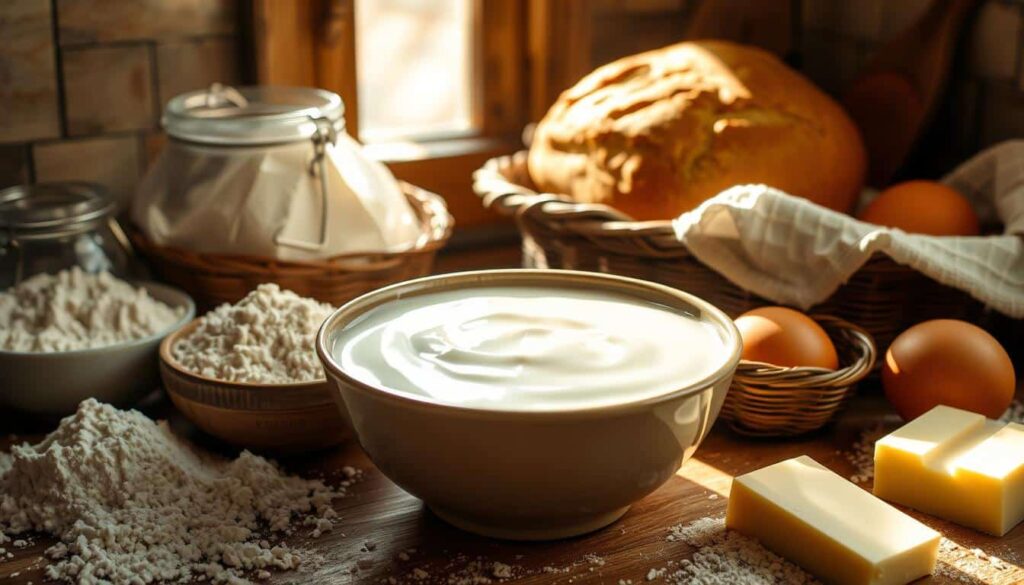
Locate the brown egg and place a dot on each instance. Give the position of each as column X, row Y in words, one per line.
column 923, row 207
column 784, row 337
column 947, row 362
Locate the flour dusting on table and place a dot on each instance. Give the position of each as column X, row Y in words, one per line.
column 862, row 454
column 1015, row 413
column 132, row 503
column 725, row 557
column 959, row 563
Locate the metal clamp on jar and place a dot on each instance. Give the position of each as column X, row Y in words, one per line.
column 50, row 227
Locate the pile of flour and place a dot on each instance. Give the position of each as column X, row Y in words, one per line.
column 131, row 503
column 75, row 310
column 266, row 338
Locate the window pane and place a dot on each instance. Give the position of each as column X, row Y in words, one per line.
column 414, row 64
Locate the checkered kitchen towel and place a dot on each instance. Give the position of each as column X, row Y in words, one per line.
column 794, row 252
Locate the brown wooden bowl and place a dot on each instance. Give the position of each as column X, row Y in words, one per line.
column 278, row 418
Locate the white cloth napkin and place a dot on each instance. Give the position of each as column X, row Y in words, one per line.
column 794, row 252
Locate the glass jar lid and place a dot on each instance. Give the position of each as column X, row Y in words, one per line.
column 53, row 209
column 253, row 115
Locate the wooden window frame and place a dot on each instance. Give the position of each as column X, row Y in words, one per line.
column 526, row 53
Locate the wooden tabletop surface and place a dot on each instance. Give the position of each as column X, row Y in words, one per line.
column 386, row 534
column 380, row 523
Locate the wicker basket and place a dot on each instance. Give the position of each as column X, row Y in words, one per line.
column 771, row 401
column 213, row 279
column 883, row 297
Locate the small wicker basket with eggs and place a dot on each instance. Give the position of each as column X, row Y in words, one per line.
column 796, row 372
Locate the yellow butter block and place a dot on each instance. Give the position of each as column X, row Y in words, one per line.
column 833, row 529
column 956, row 465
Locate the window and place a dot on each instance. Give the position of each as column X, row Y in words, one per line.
column 414, row 68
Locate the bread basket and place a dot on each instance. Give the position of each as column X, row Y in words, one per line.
column 213, row 279
column 883, row 297
column 765, row 400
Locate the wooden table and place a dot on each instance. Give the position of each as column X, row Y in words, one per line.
column 380, row 523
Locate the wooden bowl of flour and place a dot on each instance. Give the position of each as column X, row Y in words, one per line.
column 278, row 418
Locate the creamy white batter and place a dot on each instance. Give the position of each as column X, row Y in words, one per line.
column 529, row 349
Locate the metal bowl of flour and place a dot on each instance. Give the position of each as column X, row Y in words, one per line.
column 53, row 383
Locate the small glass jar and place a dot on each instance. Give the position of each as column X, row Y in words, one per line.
column 50, row 227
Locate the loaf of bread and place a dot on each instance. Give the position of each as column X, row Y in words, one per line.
column 655, row 134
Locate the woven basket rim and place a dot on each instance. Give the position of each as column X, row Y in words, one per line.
column 436, row 220
column 594, row 219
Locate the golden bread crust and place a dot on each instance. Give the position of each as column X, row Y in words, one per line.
column 657, row 133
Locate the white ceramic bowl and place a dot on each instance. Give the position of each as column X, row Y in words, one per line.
column 54, row 383
column 530, row 475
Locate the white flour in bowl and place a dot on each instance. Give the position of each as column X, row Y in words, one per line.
column 132, row 503
column 266, row 338
column 76, row 310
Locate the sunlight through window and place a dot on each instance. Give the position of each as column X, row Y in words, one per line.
column 414, row 67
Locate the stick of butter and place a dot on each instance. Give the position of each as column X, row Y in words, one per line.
column 835, row 530
column 957, row 465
